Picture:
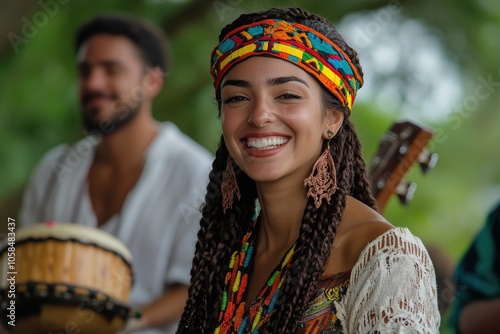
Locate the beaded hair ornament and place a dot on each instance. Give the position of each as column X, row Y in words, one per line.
column 293, row 42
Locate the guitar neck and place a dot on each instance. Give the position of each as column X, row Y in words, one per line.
column 401, row 147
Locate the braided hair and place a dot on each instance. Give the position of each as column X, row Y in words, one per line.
column 221, row 233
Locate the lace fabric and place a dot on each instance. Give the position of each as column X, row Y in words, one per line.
column 392, row 288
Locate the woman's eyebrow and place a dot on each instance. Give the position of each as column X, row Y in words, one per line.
column 271, row 82
column 282, row 80
column 237, row 83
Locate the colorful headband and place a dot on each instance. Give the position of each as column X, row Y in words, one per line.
column 296, row 43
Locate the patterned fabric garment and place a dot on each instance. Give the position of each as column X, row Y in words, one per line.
column 321, row 315
column 233, row 317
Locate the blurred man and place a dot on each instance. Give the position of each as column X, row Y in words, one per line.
column 133, row 177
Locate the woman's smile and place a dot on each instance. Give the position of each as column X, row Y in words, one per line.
column 265, row 143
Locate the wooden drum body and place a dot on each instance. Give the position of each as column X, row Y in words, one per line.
column 69, row 279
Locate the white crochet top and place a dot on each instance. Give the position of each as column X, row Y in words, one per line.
column 392, row 288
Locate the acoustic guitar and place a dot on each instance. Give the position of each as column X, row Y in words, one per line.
column 403, row 145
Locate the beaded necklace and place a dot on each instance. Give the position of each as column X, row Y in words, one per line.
column 233, row 318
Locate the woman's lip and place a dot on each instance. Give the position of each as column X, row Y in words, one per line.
column 261, row 153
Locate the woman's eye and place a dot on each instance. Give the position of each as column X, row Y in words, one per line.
column 289, row 96
column 234, row 99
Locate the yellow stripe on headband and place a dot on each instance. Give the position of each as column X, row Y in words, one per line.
column 237, row 54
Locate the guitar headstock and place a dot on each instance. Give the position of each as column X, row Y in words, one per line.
column 401, row 147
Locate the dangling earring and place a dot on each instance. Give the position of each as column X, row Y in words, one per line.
column 229, row 186
column 322, row 183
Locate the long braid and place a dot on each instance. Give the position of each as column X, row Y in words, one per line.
column 220, row 234
column 319, row 228
column 361, row 188
column 314, row 245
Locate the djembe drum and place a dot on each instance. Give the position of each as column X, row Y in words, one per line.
column 68, row 279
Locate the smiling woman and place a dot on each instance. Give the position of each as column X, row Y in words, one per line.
column 291, row 240
column 279, row 103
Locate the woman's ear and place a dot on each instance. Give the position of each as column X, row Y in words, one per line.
column 333, row 121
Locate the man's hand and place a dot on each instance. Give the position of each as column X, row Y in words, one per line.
column 3, row 330
column 481, row 317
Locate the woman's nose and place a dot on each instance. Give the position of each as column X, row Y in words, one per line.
column 261, row 114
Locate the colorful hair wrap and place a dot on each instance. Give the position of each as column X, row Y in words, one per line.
column 293, row 42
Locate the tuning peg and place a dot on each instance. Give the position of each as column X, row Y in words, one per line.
column 405, row 191
column 427, row 160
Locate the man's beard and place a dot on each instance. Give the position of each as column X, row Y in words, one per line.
column 122, row 115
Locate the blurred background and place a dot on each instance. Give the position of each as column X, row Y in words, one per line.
column 434, row 63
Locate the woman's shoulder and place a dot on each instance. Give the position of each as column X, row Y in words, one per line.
column 360, row 226
column 364, row 232
column 374, row 240
column 371, row 231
